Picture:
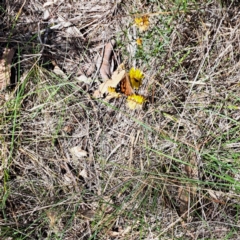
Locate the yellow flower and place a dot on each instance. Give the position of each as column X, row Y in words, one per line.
column 135, row 101
column 136, row 77
column 142, row 23
column 139, row 42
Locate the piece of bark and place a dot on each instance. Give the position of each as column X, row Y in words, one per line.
column 5, row 67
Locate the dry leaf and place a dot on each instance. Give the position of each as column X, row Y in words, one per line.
column 72, row 31
column 57, row 70
column 48, row 3
column 5, row 67
column 78, row 152
column 68, row 129
column 183, row 196
column 64, row 22
column 52, row 218
column 105, row 67
column 56, row 26
column 88, row 214
column 67, row 178
column 83, row 78
column 121, row 232
column 83, row 173
column 215, row 194
column 107, row 205
column 46, row 15
column 97, row 94
column 117, row 76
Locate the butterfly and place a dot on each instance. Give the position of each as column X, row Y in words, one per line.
column 122, row 83
column 125, row 86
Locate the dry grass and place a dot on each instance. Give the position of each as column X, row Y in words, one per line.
column 167, row 171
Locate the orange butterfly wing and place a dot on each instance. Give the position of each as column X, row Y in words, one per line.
column 125, row 86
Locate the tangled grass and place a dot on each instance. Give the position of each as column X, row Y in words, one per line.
column 76, row 167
